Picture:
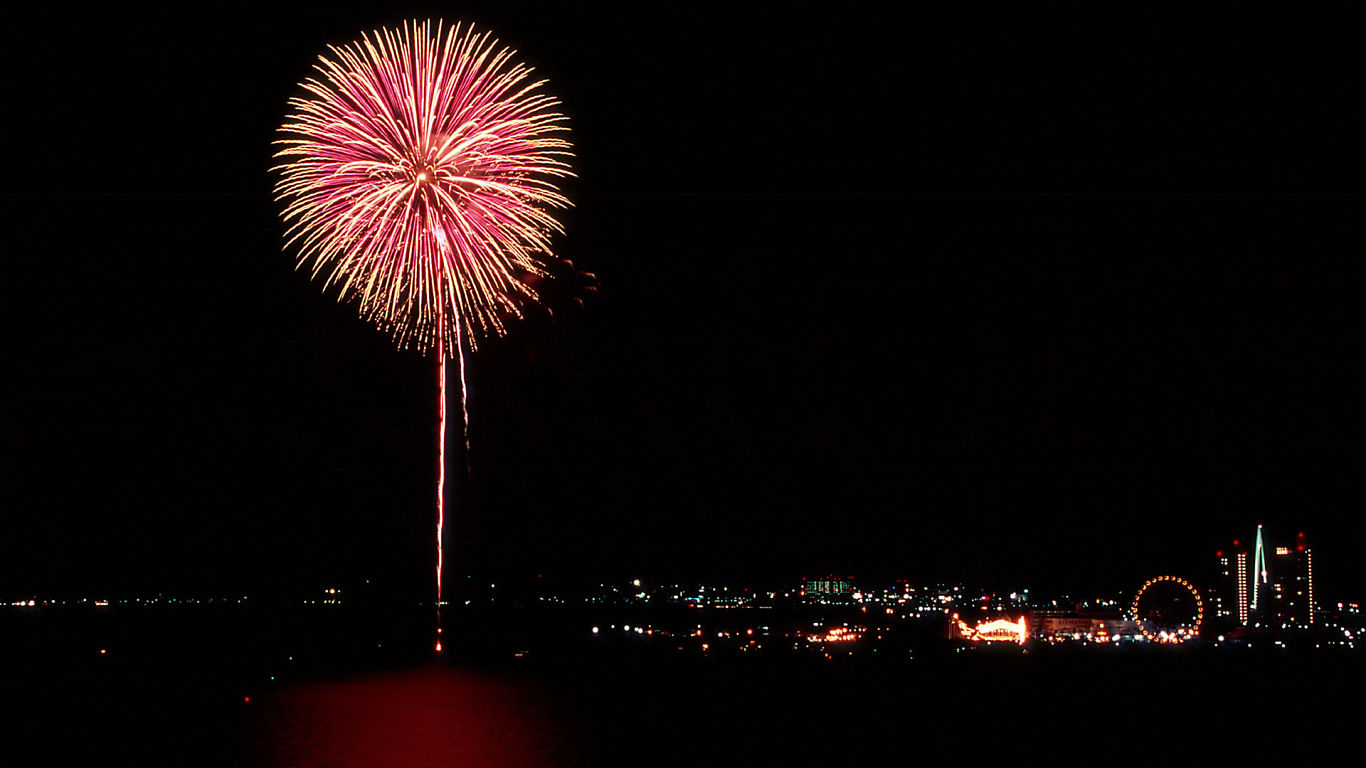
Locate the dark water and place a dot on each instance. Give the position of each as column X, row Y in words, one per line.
column 741, row 713
column 435, row 715
column 208, row 691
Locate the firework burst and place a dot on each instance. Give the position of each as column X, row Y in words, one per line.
column 418, row 176
column 419, row 179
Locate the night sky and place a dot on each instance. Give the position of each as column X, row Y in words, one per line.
column 1069, row 301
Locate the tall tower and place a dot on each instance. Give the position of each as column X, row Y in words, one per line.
column 1259, row 579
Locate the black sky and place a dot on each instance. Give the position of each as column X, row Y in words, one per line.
column 1068, row 300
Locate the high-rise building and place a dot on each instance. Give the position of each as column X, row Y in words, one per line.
column 1290, row 591
column 1273, row 591
column 1243, row 614
column 1229, row 592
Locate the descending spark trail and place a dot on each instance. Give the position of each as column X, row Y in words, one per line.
column 440, row 467
column 419, row 178
column 441, row 454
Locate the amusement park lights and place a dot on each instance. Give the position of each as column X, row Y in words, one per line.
column 995, row 631
column 1181, row 634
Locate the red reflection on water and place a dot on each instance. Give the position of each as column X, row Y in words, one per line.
column 435, row 716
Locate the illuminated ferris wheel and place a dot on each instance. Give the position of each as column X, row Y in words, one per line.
column 1169, row 609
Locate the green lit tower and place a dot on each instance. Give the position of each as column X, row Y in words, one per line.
column 1258, row 571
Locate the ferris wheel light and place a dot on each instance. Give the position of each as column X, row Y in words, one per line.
column 1178, row 634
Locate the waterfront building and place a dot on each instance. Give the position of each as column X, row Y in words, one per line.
column 828, row 589
column 1290, row 588
column 1228, row 594
column 1271, row 588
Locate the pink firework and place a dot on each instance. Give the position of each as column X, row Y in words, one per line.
column 418, row 176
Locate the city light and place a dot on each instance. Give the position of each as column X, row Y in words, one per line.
column 994, row 631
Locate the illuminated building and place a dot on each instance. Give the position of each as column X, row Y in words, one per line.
column 1274, row 591
column 1229, row 593
column 1289, row 598
column 1242, row 588
column 1072, row 625
column 827, row 589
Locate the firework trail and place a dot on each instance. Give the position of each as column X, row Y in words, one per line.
column 418, row 175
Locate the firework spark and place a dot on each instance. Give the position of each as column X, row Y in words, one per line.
column 418, row 176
